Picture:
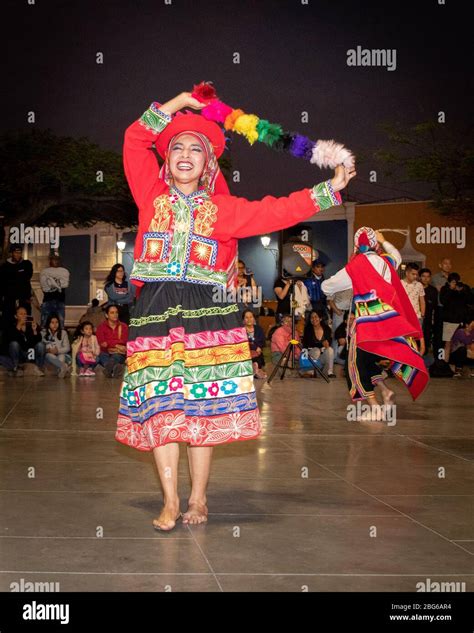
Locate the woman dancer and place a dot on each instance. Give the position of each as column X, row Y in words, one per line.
column 189, row 374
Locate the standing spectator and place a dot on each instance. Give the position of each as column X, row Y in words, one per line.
column 256, row 338
column 112, row 335
column 15, row 285
column 57, row 346
column 247, row 289
column 462, row 349
column 282, row 288
column 86, row 350
column 25, row 344
column 302, row 300
column 431, row 307
column 454, row 300
column 313, row 284
column 53, row 281
column 120, row 292
column 440, row 279
column 280, row 339
column 317, row 340
column 94, row 314
column 415, row 290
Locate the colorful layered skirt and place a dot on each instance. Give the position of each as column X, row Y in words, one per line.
column 189, row 375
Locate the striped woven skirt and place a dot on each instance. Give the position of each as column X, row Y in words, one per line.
column 189, row 375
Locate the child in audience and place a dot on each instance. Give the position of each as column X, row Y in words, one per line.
column 86, row 349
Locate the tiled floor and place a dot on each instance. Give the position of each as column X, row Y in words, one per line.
column 317, row 502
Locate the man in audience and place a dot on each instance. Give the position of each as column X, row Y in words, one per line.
column 15, row 285
column 95, row 314
column 415, row 290
column 454, row 300
column 431, row 307
column 438, row 281
column 112, row 335
column 54, row 280
column 25, row 344
column 313, row 284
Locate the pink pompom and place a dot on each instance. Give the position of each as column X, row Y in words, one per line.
column 216, row 111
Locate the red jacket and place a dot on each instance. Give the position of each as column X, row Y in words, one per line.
column 194, row 238
column 113, row 337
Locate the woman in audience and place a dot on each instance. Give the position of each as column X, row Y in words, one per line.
column 317, row 339
column 57, row 345
column 256, row 338
column 462, row 349
column 120, row 292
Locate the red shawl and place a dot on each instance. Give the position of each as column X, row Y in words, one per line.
column 385, row 321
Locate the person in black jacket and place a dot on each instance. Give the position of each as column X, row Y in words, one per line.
column 15, row 285
column 25, row 344
column 431, row 309
column 454, row 299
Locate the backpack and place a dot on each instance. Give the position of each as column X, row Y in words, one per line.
column 440, row 369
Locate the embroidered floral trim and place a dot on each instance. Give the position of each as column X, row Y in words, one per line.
column 186, row 314
column 324, row 197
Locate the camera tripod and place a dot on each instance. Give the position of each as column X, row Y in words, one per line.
column 287, row 360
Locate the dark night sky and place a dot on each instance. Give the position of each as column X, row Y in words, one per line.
column 293, row 58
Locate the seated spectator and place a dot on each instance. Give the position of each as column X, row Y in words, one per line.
column 415, row 291
column 317, row 340
column 340, row 303
column 454, row 300
column 462, row 349
column 54, row 280
column 25, row 344
column 94, row 314
column 280, row 339
column 256, row 338
column 340, row 341
column 120, row 292
column 86, row 349
column 112, row 335
column 57, row 346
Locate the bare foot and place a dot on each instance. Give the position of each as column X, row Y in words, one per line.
column 195, row 514
column 387, row 396
column 168, row 517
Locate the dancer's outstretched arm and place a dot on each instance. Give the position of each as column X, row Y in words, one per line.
column 244, row 218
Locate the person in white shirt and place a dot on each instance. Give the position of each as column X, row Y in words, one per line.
column 415, row 290
column 54, row 280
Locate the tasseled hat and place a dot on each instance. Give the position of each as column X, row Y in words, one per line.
column 365, row 239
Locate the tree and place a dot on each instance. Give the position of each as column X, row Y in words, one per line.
column 431, row 153
column 47, row 179
column 50, row 180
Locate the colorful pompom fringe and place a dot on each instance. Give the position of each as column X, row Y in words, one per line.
column 324, row 154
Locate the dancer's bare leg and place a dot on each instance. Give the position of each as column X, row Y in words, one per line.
column 387, row 394
column 199, row 467
column 167, row 458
